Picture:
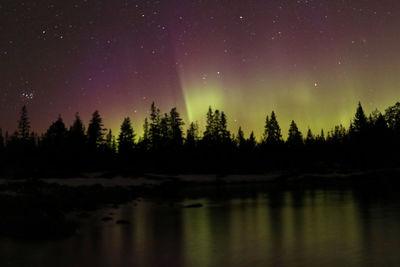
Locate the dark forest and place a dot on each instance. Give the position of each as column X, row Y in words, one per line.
column 371, row 141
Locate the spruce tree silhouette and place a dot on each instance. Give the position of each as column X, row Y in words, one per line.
column 359, row 136
column 155, row 127
column 378, row 138
column 392, row 117
column 209, row 133
column 217, row 127
column 378, row 124
column 95, row 133
column 55, row 138
column 240, row 139
column 310, row 139
column 192, row 137
column 223, row 128
column 360, row 122
column 295, row 138
column 126, row 138
column 252, row 142
column 21, row 146
column 337, row 135
column 24, row 125
column 176, row 132
column 77, row 143
column 144, row 142
column 109, row 146
column 321, row 137
column 272, row 131
column 76, row 135
column 216, row 133
column 165, row 133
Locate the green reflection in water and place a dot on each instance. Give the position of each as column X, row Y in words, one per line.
column 297, row 228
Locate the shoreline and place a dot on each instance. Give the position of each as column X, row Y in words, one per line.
column 275, row 177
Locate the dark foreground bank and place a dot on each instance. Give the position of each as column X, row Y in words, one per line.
column 40, row 210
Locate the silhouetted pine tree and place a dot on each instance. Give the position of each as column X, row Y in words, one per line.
column 378, row 138
column 192, row 136
column 154, row 129
column 252, row 142
column 223, row 129
column 216, row 126
column 240, row 139
column 359, row 137
column 378, row 124
column 165, row 133
column 216, row 132
column 113, row 144
column 95, row 133
column 55, row 138
column 337, row 135
column 77, row 144
column 144, row 142
column 360, row 122
column 392, row 117
column 176, row 132
column 310, row 139
column 109, row 146
column 21, row 146
column 126, row 138
column 272, row 131
column 295, row 138
column 321, row 137
column 109, row 138
column 24, row 125
column 209, row 133
column 77, row 130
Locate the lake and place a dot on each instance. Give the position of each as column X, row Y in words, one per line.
column 274, row 228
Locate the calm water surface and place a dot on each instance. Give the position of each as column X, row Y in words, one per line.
column 307, row 228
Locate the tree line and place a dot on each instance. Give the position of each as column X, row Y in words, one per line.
column 370, row 141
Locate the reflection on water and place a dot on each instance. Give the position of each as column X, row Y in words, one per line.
column 307, row 228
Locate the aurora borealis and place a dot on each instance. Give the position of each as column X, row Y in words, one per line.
column 309, row 60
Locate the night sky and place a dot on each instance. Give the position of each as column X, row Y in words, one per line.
column 309, row 60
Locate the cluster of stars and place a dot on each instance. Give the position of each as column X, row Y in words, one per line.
column 27, row 95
